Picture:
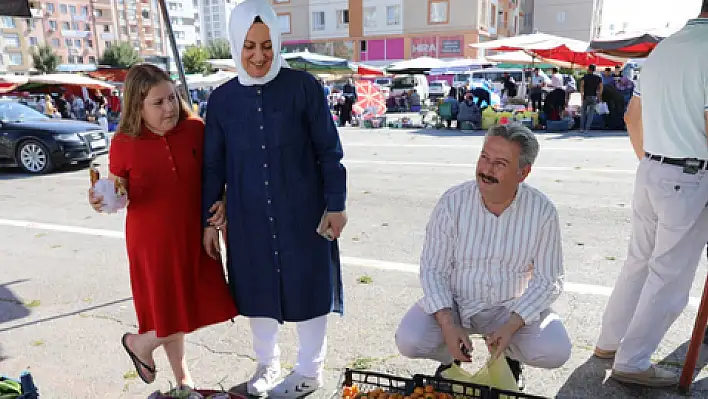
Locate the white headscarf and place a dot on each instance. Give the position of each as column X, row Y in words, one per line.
column 241, row 21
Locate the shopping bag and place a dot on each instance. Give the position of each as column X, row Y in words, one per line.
column 494, row 374
column 602, row 108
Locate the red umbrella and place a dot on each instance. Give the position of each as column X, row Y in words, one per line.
column 638, row 45
column 369, row 98
column 367, row 70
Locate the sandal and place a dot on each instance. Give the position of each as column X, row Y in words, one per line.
column 139, row 364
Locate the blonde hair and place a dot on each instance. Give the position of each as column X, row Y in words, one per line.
column 140, row 80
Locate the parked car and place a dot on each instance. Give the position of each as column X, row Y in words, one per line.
column 39, row 144
column 439, row 88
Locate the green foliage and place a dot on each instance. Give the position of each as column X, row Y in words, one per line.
column 219, row 49
column 44, row 59
column 120, row 55
column 194, row 60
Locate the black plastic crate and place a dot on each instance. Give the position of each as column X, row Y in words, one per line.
column 368, row 381
column 501, row 394
column 457, row 389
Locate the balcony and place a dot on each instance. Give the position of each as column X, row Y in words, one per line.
column 75, row 34
column 79, row 18
column 107, row 36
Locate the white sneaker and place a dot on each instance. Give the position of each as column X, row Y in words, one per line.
column 296, row 385
column 263, row 380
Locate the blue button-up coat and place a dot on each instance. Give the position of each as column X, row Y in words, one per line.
column 278, row 152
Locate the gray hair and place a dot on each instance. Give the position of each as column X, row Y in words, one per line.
column 520, row 134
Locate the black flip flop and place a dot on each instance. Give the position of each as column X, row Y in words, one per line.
column 138, row 363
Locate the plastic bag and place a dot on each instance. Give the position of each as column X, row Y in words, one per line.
column 495, row 374
column 602, row 108
column 112, row 200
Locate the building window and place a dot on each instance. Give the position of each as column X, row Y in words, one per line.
column 145, row 14
column 8, row 22
column 79, row 60
column 438, row 11
column 92, row 59
column 65, row 26
column 561, row 17
column 33, row 41
column 369, row 17
column 50, row 8
column 284, row 21
column 493, row 24
column 84, row 10
column 12, row 40
column 98, row 13
column 56, row 43
column 72, row 10
column 62, row 8
column 15, row 58
column 89, row 43
column 67, row 42
column 393, row 15
column 281, row 1
column 318, row 20
column 53, row 25
column 342, row 19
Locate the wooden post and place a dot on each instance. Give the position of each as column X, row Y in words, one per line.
column 694, row 346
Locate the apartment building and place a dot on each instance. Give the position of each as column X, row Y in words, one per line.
column 380, row 32
column 575, row 19
column 214, row 16
column 80, row 31
column 140, row 23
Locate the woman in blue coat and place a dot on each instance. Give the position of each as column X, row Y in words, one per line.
column 272, row 146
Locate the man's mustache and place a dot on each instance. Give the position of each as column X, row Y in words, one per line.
column 487, row 179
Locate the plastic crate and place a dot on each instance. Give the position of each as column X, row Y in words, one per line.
column 455, row 388
column 369, row 380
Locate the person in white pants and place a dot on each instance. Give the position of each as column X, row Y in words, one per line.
column 492, row 264
column 667, row 122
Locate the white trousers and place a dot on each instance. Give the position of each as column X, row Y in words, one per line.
column 669, row 231
column 543, row 344
column 312, row 335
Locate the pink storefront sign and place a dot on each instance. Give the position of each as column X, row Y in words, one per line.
column 384, row 49
column 437, row 46
column 425, row 46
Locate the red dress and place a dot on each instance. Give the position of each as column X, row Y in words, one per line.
column 176, row 286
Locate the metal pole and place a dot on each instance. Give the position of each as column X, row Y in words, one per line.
column 175, row 52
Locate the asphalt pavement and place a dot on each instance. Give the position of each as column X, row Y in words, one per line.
column 65, row 296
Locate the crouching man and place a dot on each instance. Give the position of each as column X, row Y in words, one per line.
column 491, row 264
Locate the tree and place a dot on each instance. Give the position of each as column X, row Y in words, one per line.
column 44, row 59
column 219, row 49
column 194, row 60
column 120, row 55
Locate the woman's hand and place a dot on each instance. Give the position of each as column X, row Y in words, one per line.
column 218, row 219
column 211, row 242
column 336, row 222
column 96, row 202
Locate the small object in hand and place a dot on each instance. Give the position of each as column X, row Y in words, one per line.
column 327, row 233
column 113, row 193
column 465, row 350
column 95, row 174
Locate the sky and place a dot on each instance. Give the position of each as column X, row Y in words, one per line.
column 649, row 14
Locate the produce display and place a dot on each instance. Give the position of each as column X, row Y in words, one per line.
column 428, row 392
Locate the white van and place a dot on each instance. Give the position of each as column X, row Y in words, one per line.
column 405, row 83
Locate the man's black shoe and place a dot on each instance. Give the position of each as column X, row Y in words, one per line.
column 516, row 370
column 443, row 367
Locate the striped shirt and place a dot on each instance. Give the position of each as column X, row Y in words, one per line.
column 473, row 260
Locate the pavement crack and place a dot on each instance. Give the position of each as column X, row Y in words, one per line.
column 109, row 318
column 221, row 352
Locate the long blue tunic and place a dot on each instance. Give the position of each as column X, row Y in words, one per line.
column 278, row 151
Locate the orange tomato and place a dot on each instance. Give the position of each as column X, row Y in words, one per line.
column 429, row 389
column 419, row 391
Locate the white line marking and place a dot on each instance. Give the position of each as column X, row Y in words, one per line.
column 472, row 166
column 461, row 146
column 583, row 289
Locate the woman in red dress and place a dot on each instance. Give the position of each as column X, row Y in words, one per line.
column 157, row 157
